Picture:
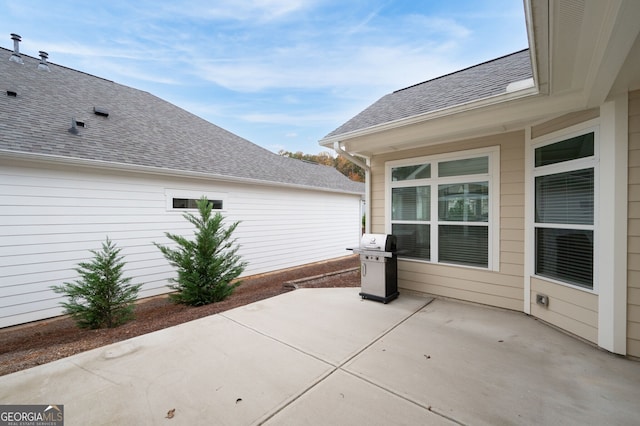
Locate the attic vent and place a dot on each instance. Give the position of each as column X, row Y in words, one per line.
column 15, row 56
column 100, row 111
column 12, row 93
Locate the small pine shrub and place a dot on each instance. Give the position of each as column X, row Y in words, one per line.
column 101, row 297
column 207, row 265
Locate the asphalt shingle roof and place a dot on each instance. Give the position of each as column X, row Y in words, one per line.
column 141, row 129
column 471, row 84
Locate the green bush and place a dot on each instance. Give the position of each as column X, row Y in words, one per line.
column 208, row 264
column 101, row 297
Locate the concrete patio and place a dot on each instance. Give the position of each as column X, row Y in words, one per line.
column 324, row 356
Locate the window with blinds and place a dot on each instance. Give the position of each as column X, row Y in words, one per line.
column 440, row 208
column 564, row 210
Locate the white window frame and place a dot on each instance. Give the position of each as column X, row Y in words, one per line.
column 566, row 166
column 493, row 179
column 171, row 193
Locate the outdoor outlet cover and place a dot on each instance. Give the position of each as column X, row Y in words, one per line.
column 542, row 299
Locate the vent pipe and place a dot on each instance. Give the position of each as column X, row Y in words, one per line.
column 43, row 65
column 74, row 126
column 15, row 56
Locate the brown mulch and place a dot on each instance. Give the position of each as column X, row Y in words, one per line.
column 37, row 343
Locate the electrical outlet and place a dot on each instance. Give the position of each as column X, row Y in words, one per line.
column 542, row 299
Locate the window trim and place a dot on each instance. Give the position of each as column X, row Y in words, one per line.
column 170, row 194
column 563, row 167
column 493, row 179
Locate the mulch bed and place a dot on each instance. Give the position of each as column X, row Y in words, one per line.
column 37, row 343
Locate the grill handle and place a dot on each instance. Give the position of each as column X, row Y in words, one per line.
column 364, row 269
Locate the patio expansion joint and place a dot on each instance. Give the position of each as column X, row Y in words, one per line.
column 374, row 341
column 339, row 366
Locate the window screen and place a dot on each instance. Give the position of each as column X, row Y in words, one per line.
column 467, row 166
column 567, row 150
column 418, row 171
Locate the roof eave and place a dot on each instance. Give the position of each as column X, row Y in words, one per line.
column 431, row 115
column 158, row 171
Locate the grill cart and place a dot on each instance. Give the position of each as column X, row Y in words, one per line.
column 379, row 267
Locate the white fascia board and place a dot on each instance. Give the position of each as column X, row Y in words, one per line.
column 432, row 115
column 493, row 119
column 159, row 171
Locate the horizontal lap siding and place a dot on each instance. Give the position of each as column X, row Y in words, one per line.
column 284, row 229
column 50, row 218
column 504, row 288
column 633, row 277
column 573, row 310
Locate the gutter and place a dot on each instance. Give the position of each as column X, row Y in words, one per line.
column 366, row 165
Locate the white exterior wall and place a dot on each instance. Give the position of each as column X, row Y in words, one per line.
column 51, row 216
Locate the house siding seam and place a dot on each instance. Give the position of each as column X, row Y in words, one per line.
column 633, row 268
column 52, row 216
column 502, row 289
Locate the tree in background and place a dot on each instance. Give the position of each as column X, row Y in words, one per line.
column 206, row 265
column 344, row 166
column 101, row 297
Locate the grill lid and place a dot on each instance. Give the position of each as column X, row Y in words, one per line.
column 378, row 242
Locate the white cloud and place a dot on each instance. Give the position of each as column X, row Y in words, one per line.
column 255, row 11
column 445, row 27
column 382, row 67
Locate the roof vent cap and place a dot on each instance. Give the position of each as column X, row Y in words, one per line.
column 100, row 111
column 520, row 85
column 15, row 56
column 74, row 126
column 43, row 65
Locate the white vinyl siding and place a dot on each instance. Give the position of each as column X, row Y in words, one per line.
column 51, row 217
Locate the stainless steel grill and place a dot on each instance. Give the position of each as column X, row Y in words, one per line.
column 379, row 267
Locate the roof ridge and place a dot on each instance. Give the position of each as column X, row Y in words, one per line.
column 462, row 70
column 61, row 66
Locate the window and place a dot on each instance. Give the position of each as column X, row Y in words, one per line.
column 442, row 208
column 178, row 200
column 191, row 203
column 564, row 175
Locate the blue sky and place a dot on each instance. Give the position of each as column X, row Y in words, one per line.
column 280, row 73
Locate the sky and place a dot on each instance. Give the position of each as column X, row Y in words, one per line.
column 280, row 73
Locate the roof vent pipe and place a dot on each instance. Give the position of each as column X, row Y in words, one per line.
column 43, row 65
column 74, row 126
column 15, row 56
